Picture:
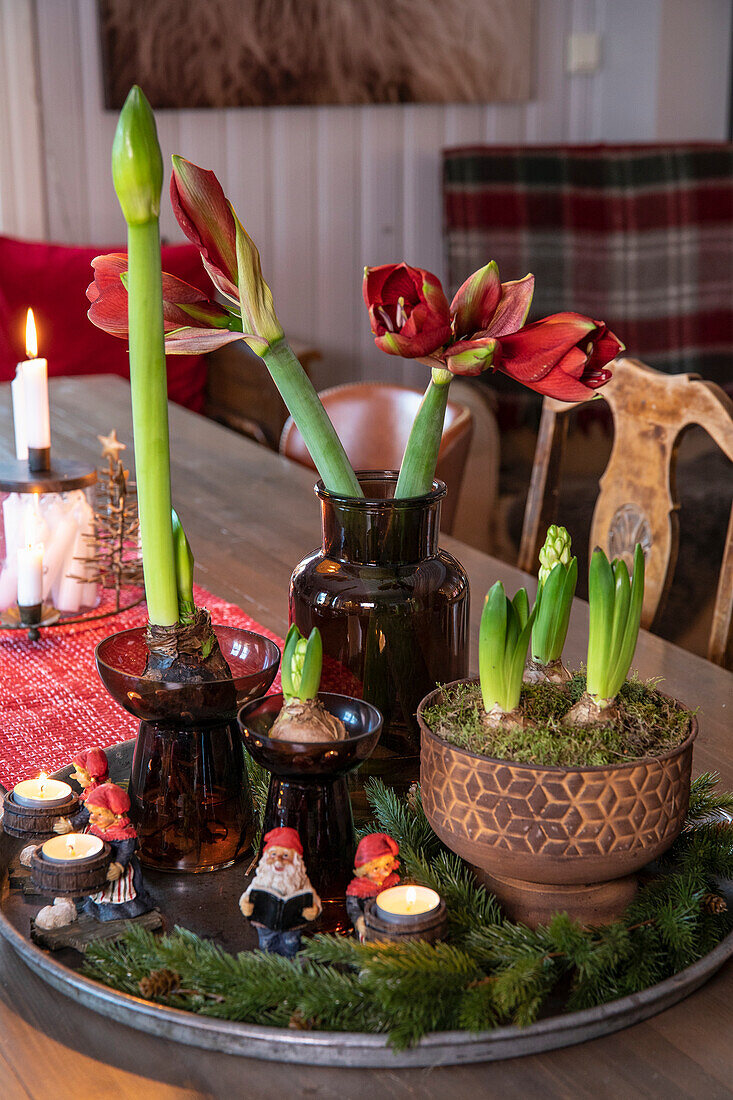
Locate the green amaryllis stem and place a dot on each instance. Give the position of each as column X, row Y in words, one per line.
column 311, row 420
column 137, row 174
column 150, row 421
column 417, row 470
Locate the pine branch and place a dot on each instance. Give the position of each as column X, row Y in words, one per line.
column 489, row 972
column 404, row 820
column 706, row 803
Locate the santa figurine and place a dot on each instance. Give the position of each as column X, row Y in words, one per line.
column 280, row 900
column 91, row 769
column 124, row 896
column 375, row 867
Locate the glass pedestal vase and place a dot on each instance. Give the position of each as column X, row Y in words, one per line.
column 392, row 609
column 189, row 791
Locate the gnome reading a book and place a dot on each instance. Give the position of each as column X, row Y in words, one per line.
column 280, row 900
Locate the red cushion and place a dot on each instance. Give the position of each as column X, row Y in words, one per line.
column 52, row 280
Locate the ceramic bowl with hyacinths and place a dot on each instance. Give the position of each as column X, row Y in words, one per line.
column 557, row 787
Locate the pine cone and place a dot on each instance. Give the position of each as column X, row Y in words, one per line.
column 713, row 903
column 298, row 1022
column 159, row 983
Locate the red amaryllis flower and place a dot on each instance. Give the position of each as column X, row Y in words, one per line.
column 205, row 216
column 563, row 356
column 408, row 310
column 483, row 310
column 193, row 323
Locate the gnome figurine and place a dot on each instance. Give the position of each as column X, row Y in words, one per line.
column 280, row 900
column 125, row 895
column 375, row 867
column 91, row 769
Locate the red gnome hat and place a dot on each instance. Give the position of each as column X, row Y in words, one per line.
column 283, row 838
column 93, row 761
column 111, row 797
column 374, row 845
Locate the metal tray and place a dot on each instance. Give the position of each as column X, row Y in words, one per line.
column 207, row 904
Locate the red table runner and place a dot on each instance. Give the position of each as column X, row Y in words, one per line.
column 52, row 702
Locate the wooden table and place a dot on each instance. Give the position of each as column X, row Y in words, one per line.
column 250, row 516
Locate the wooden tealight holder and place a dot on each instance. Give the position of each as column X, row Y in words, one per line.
column 30, row 821
column 422, row 926
column 74, row 878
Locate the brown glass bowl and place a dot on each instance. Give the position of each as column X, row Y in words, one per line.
column 121, row 658
column 318, row 761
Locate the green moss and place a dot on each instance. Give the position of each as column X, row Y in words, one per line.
column 648, row 725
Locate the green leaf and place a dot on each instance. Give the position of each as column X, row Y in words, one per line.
column 291, row 640
column 601, row 600
column 629, row 638
column 491, row 645
column 310, row 677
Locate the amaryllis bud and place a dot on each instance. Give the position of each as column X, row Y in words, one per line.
column 137, row 164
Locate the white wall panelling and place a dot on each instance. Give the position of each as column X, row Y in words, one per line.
column 22, row 184
column 325, row 190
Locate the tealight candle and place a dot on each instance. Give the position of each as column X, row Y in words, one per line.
column 72, row 848
column 398, row 902
column 42, row 792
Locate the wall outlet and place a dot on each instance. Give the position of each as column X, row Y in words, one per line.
column 583, row 53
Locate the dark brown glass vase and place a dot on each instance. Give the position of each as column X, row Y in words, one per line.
column 189, row 790
column 391, row 606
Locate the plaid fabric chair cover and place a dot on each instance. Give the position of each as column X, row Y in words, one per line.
column 638, row 236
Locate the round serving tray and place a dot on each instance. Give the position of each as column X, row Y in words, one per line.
column 186, row 900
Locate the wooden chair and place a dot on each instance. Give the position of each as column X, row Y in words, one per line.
column 638, row 499
column 373, row 420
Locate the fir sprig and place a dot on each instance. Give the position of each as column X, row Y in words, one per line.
column 490, row 972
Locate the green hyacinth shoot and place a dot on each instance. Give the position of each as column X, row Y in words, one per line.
column 557, row 578
column 503, row 640
column 615, row 617
column 301, row 665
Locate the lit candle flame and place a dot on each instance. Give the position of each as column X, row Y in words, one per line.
column 410, row 898
column 42, row 780
column 31, row 338
column 70, row 849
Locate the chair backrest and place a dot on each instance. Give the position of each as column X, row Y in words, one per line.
column 638, row 499
column 373, row 421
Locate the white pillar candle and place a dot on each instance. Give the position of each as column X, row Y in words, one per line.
column 69, row 590
column 42, row 792
column 58, row 552
column 13, row 511
column 35, row 528
column 30, row 575
column 34, row 373
column 18, row 398
column 9, row 583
